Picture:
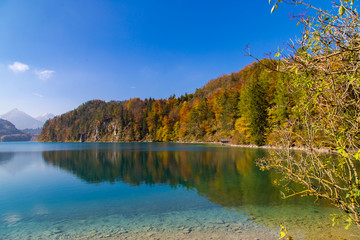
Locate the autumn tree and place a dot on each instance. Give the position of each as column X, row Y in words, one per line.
column 324, row 69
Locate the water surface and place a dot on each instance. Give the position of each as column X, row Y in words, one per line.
column 149, row 190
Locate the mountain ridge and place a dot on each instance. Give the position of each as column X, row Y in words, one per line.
column 22, row 120
column 9, row 133
column 44, row 117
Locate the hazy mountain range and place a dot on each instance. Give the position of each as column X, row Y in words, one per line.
column 44, row 117
column 22, row 120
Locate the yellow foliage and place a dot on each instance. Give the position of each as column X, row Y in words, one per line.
column 242, row 126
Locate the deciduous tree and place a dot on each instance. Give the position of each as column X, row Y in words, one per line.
column 324, row 70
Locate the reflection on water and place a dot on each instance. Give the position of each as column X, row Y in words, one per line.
column 225, row 176
column 131, row 190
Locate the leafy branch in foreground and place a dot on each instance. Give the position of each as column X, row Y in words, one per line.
column 325, row 87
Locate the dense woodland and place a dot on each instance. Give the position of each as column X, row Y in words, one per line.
column 245, row 107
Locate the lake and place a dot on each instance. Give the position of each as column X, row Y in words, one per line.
column 151, row 191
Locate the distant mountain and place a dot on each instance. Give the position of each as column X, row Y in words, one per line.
column 32, row 131
column 9, row 133
column 7, row 128
column 22, row 120
column 44, row 117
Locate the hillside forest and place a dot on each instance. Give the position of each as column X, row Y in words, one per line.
column 9, row 133
column 246, row 107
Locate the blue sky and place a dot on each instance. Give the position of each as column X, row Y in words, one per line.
column 58, row 54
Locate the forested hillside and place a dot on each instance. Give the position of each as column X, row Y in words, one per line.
column 9, row 133
column 245, row 107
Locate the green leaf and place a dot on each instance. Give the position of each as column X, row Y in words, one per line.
column 341, row 10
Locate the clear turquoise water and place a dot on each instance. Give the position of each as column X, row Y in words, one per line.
column 148, row 190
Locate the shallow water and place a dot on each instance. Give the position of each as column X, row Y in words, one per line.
column 149, row 190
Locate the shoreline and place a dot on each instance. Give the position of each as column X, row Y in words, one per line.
column 322, row 150
column 274, row 147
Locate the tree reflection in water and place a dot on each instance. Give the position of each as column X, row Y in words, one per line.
column 226, row 176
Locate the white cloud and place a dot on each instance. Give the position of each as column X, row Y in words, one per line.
column 44, row 74
column 132, row 87
column 18, row 67
column 38, row 95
